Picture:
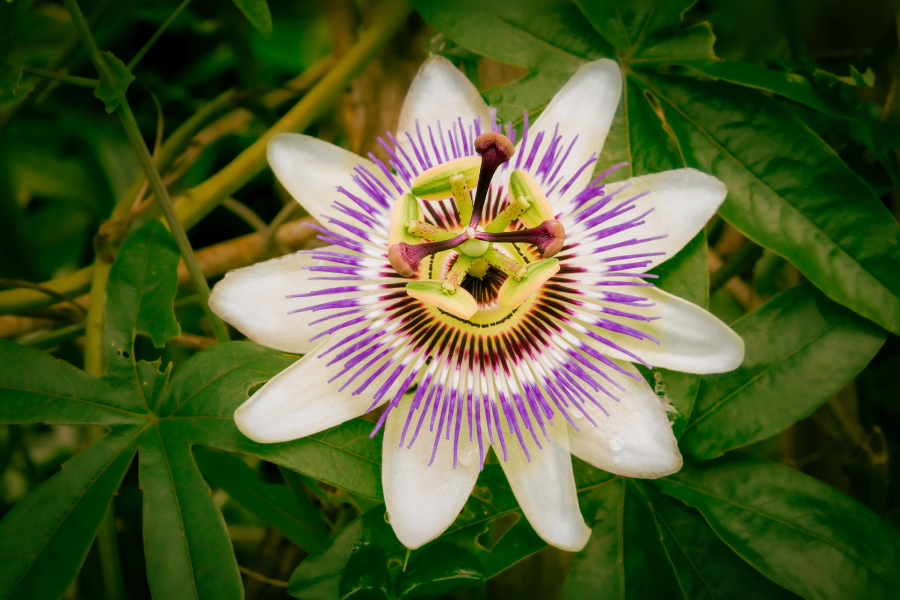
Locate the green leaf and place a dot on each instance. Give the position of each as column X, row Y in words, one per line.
column 45, row 538
column 649, row 30
column 37, row 388
column 549, row 38
column 111, row 92
column 141, row 290
column 257, row 12
column 625, row 546
column 187, row 546
column 215, row 382
column 797, row 531
column 790, row 85
column 355, row 558
column 331, row 568
column 273, row 503
column 801, row 348
column 440, row 568
column 600, row 562
column 706, row 567
column 11, row 91
column 788, row 191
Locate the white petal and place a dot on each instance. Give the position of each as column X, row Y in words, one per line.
column 683, row 200
column 584, row 107
column 311, row 170
column 299, row 401
column 545, row 487
column 635, row 440
column 254, row 301
column 422, row 501
column 440, row 92
column 692, row 340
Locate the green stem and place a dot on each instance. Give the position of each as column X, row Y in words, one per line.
column 156, row 185
column 42, row 340
column 739, row 262
column 165, row 203
column 286, row 212
column 61, row 77
column 244, row 213
column 162, row 28
column 93, row 333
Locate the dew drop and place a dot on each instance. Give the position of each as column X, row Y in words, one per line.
column 616, row 444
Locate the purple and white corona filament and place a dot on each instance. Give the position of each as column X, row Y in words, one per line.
column 486, row 296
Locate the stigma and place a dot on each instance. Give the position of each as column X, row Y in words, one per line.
column 476, row 247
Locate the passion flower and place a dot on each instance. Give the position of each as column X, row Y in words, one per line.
column 508, row 318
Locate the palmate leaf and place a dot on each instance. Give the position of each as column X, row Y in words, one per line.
column 801, row 348
column 46, row 537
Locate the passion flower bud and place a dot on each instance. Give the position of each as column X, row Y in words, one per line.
column 459, row 304
column 513, row 293
column 434, row 184
column 521, row 183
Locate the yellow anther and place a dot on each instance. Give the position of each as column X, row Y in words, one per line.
column 434, row 184
column 460, row 304
column 406, row 208
column 510, row 266
column 513, row 293
column 521, row 183
column 510, row 213
column 427, row 231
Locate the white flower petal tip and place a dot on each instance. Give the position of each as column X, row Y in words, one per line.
column 635, row 440
column 584, row 109
column 311, row 170
column 423, row 501
column 440, row 92
column 675, row 205
column 690, row 339
column 301, row 401
column 545, row 487
column 254, row 301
